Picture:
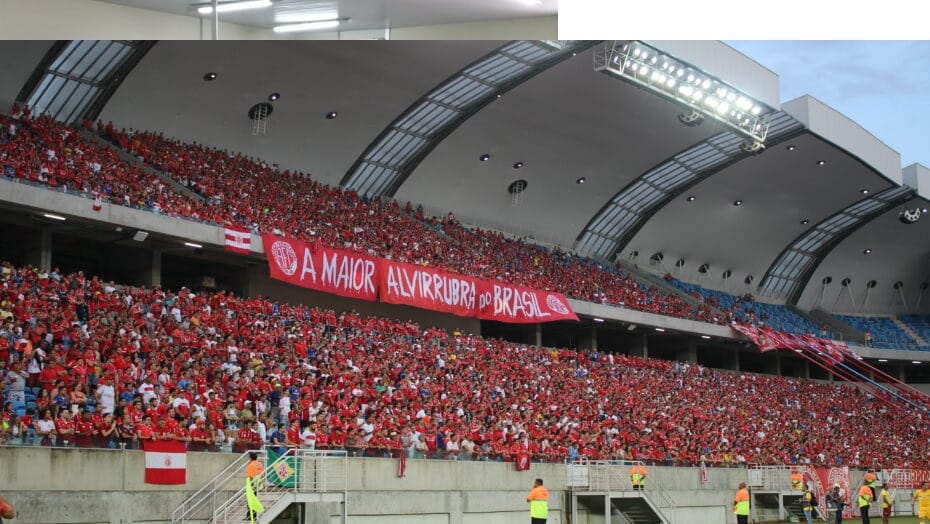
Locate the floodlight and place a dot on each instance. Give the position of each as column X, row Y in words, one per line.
column 308, row 26
column 658, row 72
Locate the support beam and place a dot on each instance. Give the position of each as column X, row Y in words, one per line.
column 45, row 250
column 155, row 279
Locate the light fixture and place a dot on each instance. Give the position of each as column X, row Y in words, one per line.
column 308, row 16
column 737, row 203
column 140, row 236
column 54, row 217
column 883, row 360
column 518, row 165
column 307, row 26
column 805, row 221
column 191, row 244
column 915, row 362
column 531, row 3
column 690, row 198
column 485, row 157
column 821, row 162
column 864, row 191
column 791, row 148
column 598, row 319
column 229, row 7
column 209, row 77
column 660, row 330
column 676, row 80
column 867, row 251
column 581, row 180
column 274, row 96
column 924, row 210
column 706, row 337
column 331, row 115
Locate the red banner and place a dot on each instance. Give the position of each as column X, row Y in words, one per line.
column 758, row 337
column 427, row 288
column 821, row 480
column 335, row 271
column 354, row 275
column 520, row 305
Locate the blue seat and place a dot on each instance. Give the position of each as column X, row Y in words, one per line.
column 18, row 405
column 30, row 404
column 21, row 411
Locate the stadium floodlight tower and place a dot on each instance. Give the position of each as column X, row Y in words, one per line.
column 700, row 93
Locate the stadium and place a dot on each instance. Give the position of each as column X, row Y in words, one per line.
column 414, row 277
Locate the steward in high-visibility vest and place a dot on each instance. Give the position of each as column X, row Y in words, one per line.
column 539, row 503
column 741, row 504
column 870, row 479
column 638, row 476
column 865, row 500
column 797, row 480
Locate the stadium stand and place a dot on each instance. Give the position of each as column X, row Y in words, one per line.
column 246, row 192
column 746, row 310
column 206, row 367
column 885, row 333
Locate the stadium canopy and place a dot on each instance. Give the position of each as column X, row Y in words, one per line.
column 609, row 168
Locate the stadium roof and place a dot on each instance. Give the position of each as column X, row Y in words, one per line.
column 564, row 122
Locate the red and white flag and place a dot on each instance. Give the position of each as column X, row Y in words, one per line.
column 98, row 204
column 165, row 462
column 402, row 464
column 238, row 240
column 704, row 479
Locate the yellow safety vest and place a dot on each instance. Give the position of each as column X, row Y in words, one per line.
column 637, row 478
column 865, row 497
column 539, row 509
column 742, row 506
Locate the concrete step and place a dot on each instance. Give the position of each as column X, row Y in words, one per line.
column 910, row 332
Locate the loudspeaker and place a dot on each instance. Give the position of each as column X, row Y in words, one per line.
column 140, row 236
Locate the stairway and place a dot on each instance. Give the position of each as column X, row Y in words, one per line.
column 129, row 158
column 238, row 512
column 910, row 331
column 636, row 510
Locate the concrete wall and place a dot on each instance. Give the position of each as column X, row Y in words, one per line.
column 84, row 486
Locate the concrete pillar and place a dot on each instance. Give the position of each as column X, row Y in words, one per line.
column 901, row 372
column 807, row 369
column 155, row 277
column 692, row 351
column 538, row 335
column 40, row 254
column 594, row 338
column 735, row 360
column 46, row 250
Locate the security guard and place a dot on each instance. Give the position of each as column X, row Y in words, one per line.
column 797, row 480
column 741, row 504
column 865, row 500
column 638, row 476
column 539, row 503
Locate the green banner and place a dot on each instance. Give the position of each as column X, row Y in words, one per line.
column 284, row 473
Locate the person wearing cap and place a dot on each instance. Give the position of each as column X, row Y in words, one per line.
column 887, row 503
column 539, row 503
column 836, row 500
column 922, row 498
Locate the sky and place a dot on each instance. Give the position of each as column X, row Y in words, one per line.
column 884, row 86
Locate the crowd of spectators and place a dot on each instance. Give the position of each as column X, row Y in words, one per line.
column 117, row 365
column 43, row 151
column 247, row 192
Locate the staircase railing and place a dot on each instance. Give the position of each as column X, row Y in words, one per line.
column 298, row 471
column 613, row 476
column 226, row 481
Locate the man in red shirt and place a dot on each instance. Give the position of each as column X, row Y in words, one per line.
column 83, row 430
column 64, row 426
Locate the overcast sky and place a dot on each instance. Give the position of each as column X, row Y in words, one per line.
column 884, row 86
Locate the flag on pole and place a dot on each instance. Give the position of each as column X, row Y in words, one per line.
column 98, row 204
column 165, row 462
column 251, row 499
column 704, row 479
column 402, row 464
column 238, row 240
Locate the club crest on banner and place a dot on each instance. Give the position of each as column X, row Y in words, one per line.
column 556, row 305
column 285, row 256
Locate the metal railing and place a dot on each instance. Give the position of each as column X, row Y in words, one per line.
column 225, row 482
column 613, row 476
column 297, row 471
